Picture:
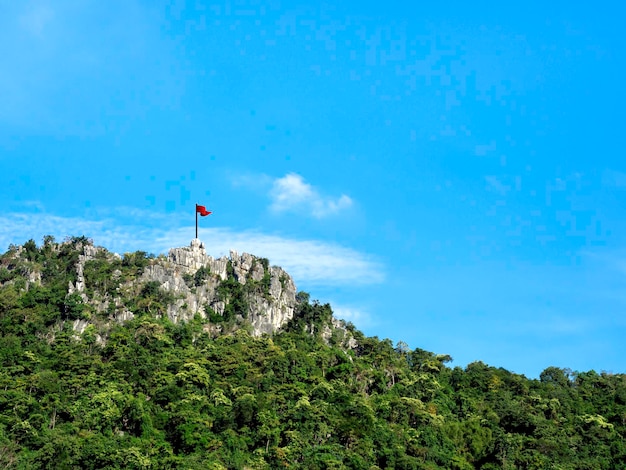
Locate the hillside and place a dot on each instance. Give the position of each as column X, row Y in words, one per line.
column 185, row 361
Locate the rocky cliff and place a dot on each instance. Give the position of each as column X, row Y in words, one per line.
column 199, row 284
column 93, row 289
column 195, row 279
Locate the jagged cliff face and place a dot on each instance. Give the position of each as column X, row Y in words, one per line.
column 194, row 280
column 270, row 306
column 92, row 289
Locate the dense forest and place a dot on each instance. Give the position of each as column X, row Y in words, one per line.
column 152, row 393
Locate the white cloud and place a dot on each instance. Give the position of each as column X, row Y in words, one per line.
column 312, row 262
column 357, row 316
column 292, row 194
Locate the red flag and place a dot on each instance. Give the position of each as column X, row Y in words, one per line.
column 202, row 210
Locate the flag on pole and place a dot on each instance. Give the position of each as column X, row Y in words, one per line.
column 202, row 210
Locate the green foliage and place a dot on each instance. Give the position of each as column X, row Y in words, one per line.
column 31, row 250
column 202, row 274
column 303, row 297
column 74, row 308
column 234, row 295
column 133, row 264
column 152, row 300
column 312, row 317
column 255, row 286
column 161, row 395
column 102, row 274
column 5, row 275
column 189, row 280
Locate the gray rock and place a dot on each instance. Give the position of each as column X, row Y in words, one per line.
column 268, row 311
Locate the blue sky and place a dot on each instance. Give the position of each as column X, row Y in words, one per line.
column 445, row 175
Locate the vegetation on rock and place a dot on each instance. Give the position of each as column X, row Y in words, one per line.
column 80, row 389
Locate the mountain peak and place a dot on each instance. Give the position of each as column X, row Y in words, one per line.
column 241, row 286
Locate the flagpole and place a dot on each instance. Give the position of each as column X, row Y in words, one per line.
column 196, row 220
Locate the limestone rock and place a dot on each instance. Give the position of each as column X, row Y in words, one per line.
column 89, row 253
column 190, row 259
column 268, row 310
column 242, row 285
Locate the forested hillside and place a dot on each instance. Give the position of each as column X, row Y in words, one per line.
column 83, row 387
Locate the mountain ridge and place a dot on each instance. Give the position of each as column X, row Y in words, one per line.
column 239, row 288
column 98, row 370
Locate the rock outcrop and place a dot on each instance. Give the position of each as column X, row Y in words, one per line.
column 89, row 253
column 194, row 278
column 103, row 288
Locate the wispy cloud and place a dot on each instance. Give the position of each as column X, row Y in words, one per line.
column 355, row 315
column 312, row 262
column 292, row 194
column 19, row 227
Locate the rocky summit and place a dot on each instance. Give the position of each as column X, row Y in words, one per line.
column 226, row 292
column 162, row 362
column 270, row 297
column 199, row 285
